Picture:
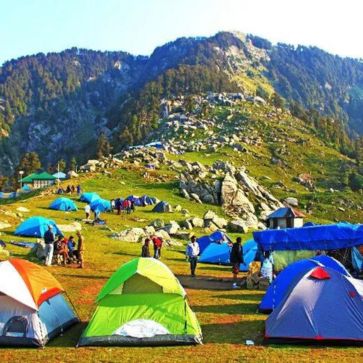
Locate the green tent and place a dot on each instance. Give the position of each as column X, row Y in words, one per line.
column 142, row 303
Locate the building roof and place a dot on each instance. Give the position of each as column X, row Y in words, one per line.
column 38, row 176
column 286, row 213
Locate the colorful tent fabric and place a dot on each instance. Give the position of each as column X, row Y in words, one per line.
column 215, row 237
column 146, row 200
column 32, row 307
column 89, row 197
column 142, row 303
column 163, row 207
column 135, row 199
column 36, row 227
column 290, row 275
column 324, row 306
column 357, row 260
column 63, row 204
column 321, row 237
column 250, row 251
column 101, row 205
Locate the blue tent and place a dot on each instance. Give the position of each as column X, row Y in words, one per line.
column 357, row 260
column 215, row 237
column 146, row 200
column 162, row 207
column 135, row 199
column 323, row 306
column 89, row 197
column 26, row 188
column 101, row 205
column 290, row 275
column 63, row 204
column 36, row 227
column 321, row 237
column 250, row 249
column 217, row 253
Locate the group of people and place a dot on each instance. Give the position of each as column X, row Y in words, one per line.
column 63, row 250
column 236, row 259
column 157, row 245
column 71, row 189
column 123, row 205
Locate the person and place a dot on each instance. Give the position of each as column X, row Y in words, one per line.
column 145, row 251
column 68, row 190
column 236, row 258
column 267, row 266
column 132, row 206
column 61, row 250
column 125, row 205
column 78, row 189
column 71, row 247
column 158, row 243
column 87, row 210
column 118, row 206
column 73, row 189
column 49, row 239
column 80, row 249
column 192, row 253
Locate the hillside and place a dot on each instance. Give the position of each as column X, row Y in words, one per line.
column 58, row 104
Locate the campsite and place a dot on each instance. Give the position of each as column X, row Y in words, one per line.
column 228, row 317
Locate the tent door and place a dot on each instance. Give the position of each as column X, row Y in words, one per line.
column 17, row 326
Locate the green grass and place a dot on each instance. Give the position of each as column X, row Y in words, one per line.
column 228, row 318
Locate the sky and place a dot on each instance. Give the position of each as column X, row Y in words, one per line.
column 138, row 26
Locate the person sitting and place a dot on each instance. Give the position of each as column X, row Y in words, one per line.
column 61, row 250
column 71, row 244
column 145, row 250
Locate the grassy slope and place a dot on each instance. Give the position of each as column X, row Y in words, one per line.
column 228, row 318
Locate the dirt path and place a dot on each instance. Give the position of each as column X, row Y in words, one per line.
column 205, row 283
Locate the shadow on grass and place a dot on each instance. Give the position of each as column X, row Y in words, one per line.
column 70, row 337
column 233, row 333
column 88, row 277
column 255, row 297
column 244, row 308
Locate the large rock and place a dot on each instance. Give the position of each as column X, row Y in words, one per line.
column 220, row 222
column 187, row 224
column 195, row 197
column 4, row 225
column 293, row 202
column 209, row 215
column 197, row 222
column 172, row 228
column 131, row 235
column 238, row 226
column 157, row 223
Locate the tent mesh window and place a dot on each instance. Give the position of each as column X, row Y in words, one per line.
column 17, row 326
column 138, row 284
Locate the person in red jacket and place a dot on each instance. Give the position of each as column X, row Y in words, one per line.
column 158, row 243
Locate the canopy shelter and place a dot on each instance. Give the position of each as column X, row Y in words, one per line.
column 36, row 227
column 142, row 303
column 320, row 237
column 32, row 307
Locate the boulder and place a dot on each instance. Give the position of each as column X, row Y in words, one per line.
column 4, row 225
column 219, row 222
column 187, row 224
column 185, row 194
column 293, row 202
column 172, row 227
column 149, row 230
column 238, row 226
column 198, row 222
column 177, row 208
column 131, row 235
column 196, row 198
column 39, row 250
column 209, row 215
column 157, row 223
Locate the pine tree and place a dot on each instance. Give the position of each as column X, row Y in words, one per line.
column 103, row 146
column 72, row 164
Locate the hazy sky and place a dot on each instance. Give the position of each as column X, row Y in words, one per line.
column 138, row 26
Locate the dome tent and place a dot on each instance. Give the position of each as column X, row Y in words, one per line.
column 215, row 237
column 36, row 227
column 101, row 205
column 290, row 275
column 32, row 307
column 322, row 306
column 63, row 204
column 142, row 303
column 89, row 197
column 162, row 207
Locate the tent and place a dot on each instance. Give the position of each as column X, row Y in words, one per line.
column 357, row 259
column 215, row 237
column 146, row 200
column 135, row 199
column 142, row 303
column 60, row 175
column 219, row 253
column 101, row 205
column 36, row 227
column 162, row 207
column 323, row 306
column 63, row 204
column 89, row 197
column 33, row 309
column 320, row 237
column 290, row 275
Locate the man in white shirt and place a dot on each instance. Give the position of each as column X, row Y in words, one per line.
column 87, row 210
column 192, row 253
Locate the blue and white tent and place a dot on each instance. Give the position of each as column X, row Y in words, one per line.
column 63, row 204
column 36, row 227
column 290, row 275
column 101, row 205
column 215, row 237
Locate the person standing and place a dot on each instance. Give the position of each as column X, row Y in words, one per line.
column 236, row 258
column 49, row 239
column 80, row 249
column 158, row 243
column 78, row 189
column 87, row 210
column 192, row 253
column 145, row 251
